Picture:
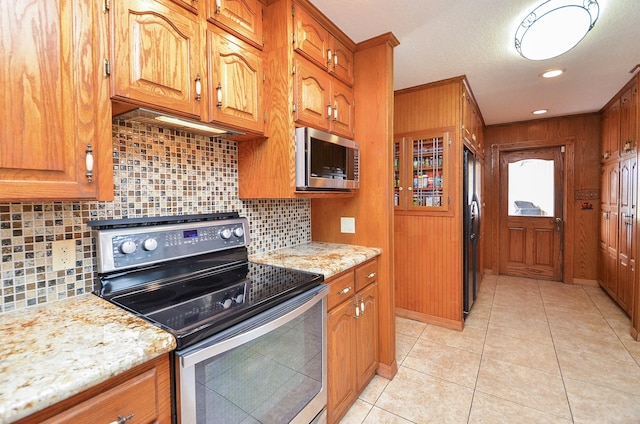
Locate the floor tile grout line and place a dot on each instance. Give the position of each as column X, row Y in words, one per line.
column 555, row 350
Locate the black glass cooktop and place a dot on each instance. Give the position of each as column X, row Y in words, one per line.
column 206, row 300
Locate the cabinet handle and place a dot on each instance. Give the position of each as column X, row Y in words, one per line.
column 122, row 420
column 357, row 312
column 329, row 57
column 198, row 88
column 370, row 276
column 362, row 306
column 345, row 290
column 89, row 163
column 335, row 112
column 335, row 61
column 218, row 6
column 606, row 154
column 329, row 111
column 219, row 96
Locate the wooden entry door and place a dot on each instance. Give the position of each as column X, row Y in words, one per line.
column 531, row 213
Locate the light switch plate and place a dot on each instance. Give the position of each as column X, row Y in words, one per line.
column 63, row 253
column 347, row 225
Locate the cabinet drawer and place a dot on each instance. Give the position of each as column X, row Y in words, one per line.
column 366, row 274
column 136, row 397
column 341, row 289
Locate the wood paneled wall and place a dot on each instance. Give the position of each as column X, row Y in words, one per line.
column 585, row 131
column 372, row 206
column 428, row 257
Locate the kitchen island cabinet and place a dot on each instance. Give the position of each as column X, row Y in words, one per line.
column 55, row 118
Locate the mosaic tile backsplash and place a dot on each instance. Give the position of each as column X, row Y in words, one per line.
column 157, row 172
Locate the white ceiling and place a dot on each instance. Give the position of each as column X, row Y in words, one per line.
column 440, row 39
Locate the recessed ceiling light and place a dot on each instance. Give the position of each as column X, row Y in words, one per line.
column 552, row 73
column 540, row 111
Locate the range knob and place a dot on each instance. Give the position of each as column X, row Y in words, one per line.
column 226, row 303
column 239, row 298
column 238, row 232
column 150, row 244
column 225, row 234
column 128, row 247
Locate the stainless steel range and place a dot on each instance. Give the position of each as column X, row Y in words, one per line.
column 251, row 338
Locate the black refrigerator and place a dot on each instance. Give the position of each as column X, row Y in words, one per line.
column 472, row 184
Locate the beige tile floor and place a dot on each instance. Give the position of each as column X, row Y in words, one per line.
column 532, row 351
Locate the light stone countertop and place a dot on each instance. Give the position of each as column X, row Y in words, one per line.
column 328, row 259
column 54, row 351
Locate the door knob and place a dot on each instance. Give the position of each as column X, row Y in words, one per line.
column 558, row 223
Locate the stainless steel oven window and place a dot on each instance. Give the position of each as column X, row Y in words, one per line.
column 268, row 369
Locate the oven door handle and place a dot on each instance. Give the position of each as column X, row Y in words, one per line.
column 253, row 327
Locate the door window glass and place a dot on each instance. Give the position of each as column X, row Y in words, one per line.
column 531, row 187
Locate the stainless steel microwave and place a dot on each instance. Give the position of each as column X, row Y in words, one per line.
column 325, row 161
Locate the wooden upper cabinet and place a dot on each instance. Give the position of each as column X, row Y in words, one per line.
column 471, row 128
column 611, row 131
column 629, row 119
column 310, row 38
column 239, row 17
column 235, row 81
column 342, row 121
column 55, row 108
column 312, row 95
column 321, row 101
column 155, row 55
column 340, row 60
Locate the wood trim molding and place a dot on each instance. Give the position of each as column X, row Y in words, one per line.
column 568, row 212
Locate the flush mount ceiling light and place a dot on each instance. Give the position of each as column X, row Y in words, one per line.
column 555, row 27
column 540, row 111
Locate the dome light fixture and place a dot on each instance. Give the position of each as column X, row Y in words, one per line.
column 555, row 27
column 540, row 111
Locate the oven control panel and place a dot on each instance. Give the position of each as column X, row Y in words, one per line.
column 123, row 248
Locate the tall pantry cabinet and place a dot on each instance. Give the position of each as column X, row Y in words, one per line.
column 619, row 193
column 432, row 124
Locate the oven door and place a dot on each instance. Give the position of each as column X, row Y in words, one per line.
column 270, row 368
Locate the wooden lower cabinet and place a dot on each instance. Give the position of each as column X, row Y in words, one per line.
column 142, row 393
column 352, row 337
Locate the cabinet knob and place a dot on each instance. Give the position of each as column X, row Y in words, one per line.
column 122, row 420
column 370, row 276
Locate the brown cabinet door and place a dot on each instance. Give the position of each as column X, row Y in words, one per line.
column 340, row 60
column 240, row 17
column 55, row 104
column 612, row 174
column 628, row 119
column 156, row 55
column 235, row 81
column 367, row 335
column 310, row 38
column 341, row 360
column 626, row 252
column 611, row 131
column 312, row 90
column 343, row 109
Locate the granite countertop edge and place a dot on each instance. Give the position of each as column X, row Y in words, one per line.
column 324, row 258
column 55, row 351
